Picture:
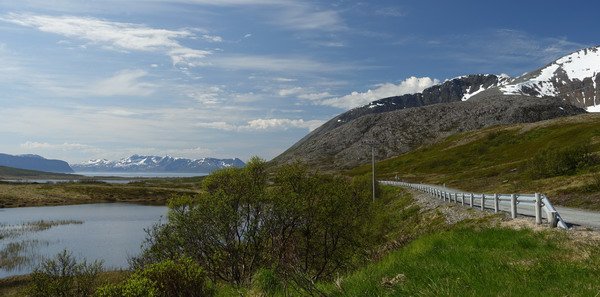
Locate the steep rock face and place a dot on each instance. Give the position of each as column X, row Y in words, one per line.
column 399, row 131
column 35, row 162
column 137, row 163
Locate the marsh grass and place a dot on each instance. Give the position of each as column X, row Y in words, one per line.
column 20, row 254
column 13, row 231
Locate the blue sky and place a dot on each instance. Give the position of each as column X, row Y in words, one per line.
column 237, row 78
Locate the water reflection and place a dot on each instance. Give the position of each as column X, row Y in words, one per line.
column 111, row 232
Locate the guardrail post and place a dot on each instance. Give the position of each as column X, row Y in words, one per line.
column 471, row 200
column 513, row 206
column 553, row 219
column 496, row 206
column 482, row 201
column 538, row 209
column 462, row 198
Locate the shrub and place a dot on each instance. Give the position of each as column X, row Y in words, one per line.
column 553, row 162
column 135, row 286
column 63, row 276
column 168, row 278
column 305, row 226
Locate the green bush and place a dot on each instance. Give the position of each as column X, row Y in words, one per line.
column 551, row 162
column 63, row 276
column 135, row 286
column 306, row 226
column 169, row 278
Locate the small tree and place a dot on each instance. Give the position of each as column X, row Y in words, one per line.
column 63, row 276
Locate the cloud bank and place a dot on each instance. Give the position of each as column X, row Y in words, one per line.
column 117, row 35
column 355, row 99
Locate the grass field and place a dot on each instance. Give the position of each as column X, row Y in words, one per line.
column 500, row 159
column 146, row 192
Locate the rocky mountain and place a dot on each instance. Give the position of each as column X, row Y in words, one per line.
column 138, row 163
column 396, row 132
column 567, row 86
column 35, row 162
column 574, row 78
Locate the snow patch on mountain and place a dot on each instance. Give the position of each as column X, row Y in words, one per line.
column 573, row 76
column 137, row 163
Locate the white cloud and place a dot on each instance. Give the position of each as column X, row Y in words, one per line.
column 315, row 96
column 270, row 124
column 290, row 91
column 125, row 83
column 264, row 125
column 409, row 86
column 210, row 95
column 116, row 35
column 217, row 125
column 212, row 38
column 297, row 15
column 304, row 17
column 284, row 79
column 34, row 145
column 275, row 64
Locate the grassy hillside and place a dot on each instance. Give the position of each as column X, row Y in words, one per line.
column 14, row 173
column 489, row 262
column 557, row 157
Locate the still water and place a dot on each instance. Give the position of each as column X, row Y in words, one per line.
column 111, row 232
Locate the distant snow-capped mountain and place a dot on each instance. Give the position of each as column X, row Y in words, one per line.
column 137, row 163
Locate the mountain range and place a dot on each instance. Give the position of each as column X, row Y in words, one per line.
column 568, row 86
column 137, row 163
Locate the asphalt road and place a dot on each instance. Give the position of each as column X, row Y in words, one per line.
column 572, row 216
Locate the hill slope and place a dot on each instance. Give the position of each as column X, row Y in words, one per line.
column 16, row 173
column 559, row 157
column 400, row 131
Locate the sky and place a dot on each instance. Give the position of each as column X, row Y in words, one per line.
column 84, row 79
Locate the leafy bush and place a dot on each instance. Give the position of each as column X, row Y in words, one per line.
column 135, row 286
column 302, row 225
column 551, row 162
column 169, row 278
column 63, row 276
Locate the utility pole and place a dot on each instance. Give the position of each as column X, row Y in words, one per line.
column 373, row 167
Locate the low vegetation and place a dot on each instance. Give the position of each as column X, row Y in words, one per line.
column 558, row 157
column 294, row 232
column 147, row 192
column 468, row 261
column 64, row 276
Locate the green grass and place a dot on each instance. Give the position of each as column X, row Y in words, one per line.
column 10, row 173
column 487, row 262
column 20, row 195
column 498, row 159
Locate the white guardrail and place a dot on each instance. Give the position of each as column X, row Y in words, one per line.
column 513, row 203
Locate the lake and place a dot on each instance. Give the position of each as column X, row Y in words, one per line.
column 111, row 232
